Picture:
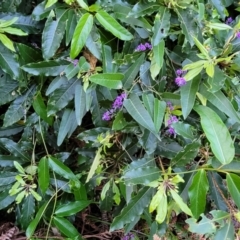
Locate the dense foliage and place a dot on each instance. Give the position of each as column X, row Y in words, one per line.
column 120, row 119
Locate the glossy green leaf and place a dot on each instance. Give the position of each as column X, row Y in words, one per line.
column 28, row 209
column 158, row 113
column 33, row 225
column 160, row 29
column 218, row 4
column 134, row 208
column 66, row 227
column 158, row 53
column 193, row 73
column 217, row 134
column 53, row 33
column 188, row 95
column 81, row 34
column 148, row 101
column 70, row 25
column 7, row 178
column 61, row 169
column 233, row 184
column 46, row 68
column 80, row 103
column 226, row 232
column 197, row 193
column 43, row 174
column 6, row 199
column 141, row 9
column 5, row 23
column 71, row 208
column 184, row 130
column 50, row 3
column 139, row 113
column 111, row 25
column 119, row 121
column 109, row 80
column 14, row 31
column 7, row 42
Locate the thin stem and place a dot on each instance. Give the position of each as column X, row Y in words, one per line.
column 45, row 146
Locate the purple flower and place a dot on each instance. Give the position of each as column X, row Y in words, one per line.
column 179, row 72
column 75, row 62
column 118, row 102
column 107, row 116
column 229, row 20
column 238, row 34
column 170, row 106
column 142, row 47
column 172, row 119
column 128, row 236
column 171, row 131
column 180, row 81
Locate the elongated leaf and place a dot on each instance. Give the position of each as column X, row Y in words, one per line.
column 6, row 199
column 133, row 209
column 109, row 80
column 107, row 59
column 219, row 100
column 141, row 9
column 226, row 232
column 188, row 95
column 43, row 174
column 9, row 63
column 61, row 96
column 7, row 178
column 33, row 225
column 131, row 73
column 218, row 4
column 148, row 101
column 27, row 211
column 53, row 33
column 158, row 53
column 61, row 169
column 193, row 73
column 66, row 227
column 80, row 103
column 28, row 54
column 233, row 184
column 186, row 155
column 71, row 25
column 71, row 208
column 139, row 113
column 14, row 148
column 197, row 193
column 7, row 42
column 7, row 161
column 111, row 25
column 81, row 34
column 142, row 175
column 66, row 125
column 217, row 134
column 19, row 107
column 158, row 113
column 161, row 28
column 46, row 68
column 184, row 130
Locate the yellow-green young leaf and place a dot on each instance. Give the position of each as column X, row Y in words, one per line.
column 19, row 167
column 193, row 73
column 35, row 195
column 95, row 164
column 210, row 69
column 14, row 31
column 69, row 2
column 181, row 203
column 82, row 4
column 104, row 190
column 219, row 26
column 7, row 42
column 116, row 196
column 50, row 3
column 111, row 25
column 202, row 99
column 202, row 49
column 4, row 23
column 156, row 199
column 194, row 65
column 20, row 197
column 162, row 209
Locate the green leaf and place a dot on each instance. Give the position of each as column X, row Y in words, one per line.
column 141, row 175
column 131, row 72
column 210, row 69
column 218, row 4
column 109, row 80
column 202, row 49
column 233, row 184
column 219, row 26
column 193, row 73
column 50, row 3
column 5, row 23
column 161, row 28
column 41, row 109
column 43, row 174
column 197, row 193
column 141, row 9
column 220, row 101
column 70, row 25
column 33, row 225
column 188, row 95
column 158, row 113
column 226, row 232
column 65, row 227
column 139, row 113
column 111, row 25
column 19, row 107
column 107, row 60
column 9, row 63
column 61, row 96
column 184, row 130
column 217, row 134
column 81, row 34
column 186, row 155
column 7, row 42
column 67, row 125
column 158, row 53
column 80, row 103
column 148, row 101
column 46, row 68
column 180, row 202
column 53, row 33
column 217, row 81
column 119, row 122
column 14, row 31
column 27, row 211
column 6, row 199
column 61, row 169
column 133, row 209
column 71, row 208
column 95, row 164
column 7, row 178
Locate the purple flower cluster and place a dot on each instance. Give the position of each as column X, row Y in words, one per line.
column 229, row 21
column 74, row 61
column 143, row 47
column 117, row 104
column 128, row 236
column 172, row 119
column 180, row 80
column 238, row 34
